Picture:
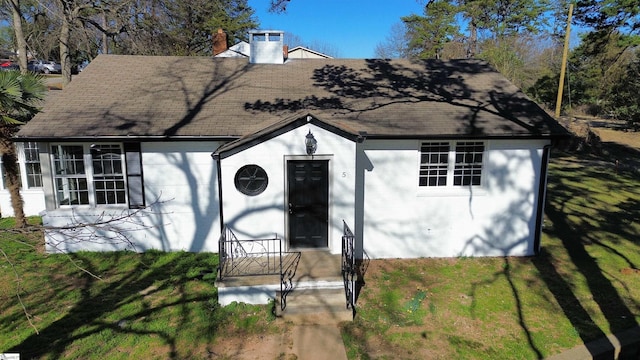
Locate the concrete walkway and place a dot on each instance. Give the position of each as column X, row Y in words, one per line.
column 318, row 342
column 314, row 338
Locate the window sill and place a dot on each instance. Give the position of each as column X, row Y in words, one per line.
column 97, row 207
column 445, row 191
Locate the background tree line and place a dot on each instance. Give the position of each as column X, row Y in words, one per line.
column 523, row 39
column 78, row 30
column 75, row 31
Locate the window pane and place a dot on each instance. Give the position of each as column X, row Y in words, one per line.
column 72, row 191
column 70, row 180
column 108, row 178
column 434, row 163
column 68, row 160
column 34, row 175
column 31, row 152
column 468, row 167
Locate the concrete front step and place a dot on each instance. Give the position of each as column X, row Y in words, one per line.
column 314, row 306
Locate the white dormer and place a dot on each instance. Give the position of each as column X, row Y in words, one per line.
column 267, row 47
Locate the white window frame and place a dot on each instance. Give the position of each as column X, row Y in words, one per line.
column 22, row 166
column 114, row 185
column 436, row 168
column 88, row 175
column 22, row 159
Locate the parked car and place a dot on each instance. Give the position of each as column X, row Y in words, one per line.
column 83, row 65
column 44, row 67
column 8, row 65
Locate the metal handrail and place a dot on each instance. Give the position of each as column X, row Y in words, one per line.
column 257, row 257
column 349, row 265
column 248, row 257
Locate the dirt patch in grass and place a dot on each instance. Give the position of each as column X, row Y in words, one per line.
column 263, row 346
column 628, row 138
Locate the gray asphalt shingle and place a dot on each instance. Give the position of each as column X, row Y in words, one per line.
column 156, row 96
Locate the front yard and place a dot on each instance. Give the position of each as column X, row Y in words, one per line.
column 583, row 285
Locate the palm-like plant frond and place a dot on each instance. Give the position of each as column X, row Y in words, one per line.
column 20, row 94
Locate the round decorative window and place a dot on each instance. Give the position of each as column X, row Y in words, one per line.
column 251, row 180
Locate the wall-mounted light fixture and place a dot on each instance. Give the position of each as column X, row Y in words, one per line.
column 310, row 143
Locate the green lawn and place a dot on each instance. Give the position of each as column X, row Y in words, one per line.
column 584, row 284
column 151, row 305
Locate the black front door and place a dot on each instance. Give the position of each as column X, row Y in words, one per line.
column 308, row 205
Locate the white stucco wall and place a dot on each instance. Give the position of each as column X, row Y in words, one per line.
column 264, row 215
column 373, row 186
column 404, row 221
column 180, row 184
column 33, row 202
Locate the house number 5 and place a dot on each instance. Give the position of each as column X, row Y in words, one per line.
column 344, row 174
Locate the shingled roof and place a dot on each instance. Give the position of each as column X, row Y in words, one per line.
column 121, row 96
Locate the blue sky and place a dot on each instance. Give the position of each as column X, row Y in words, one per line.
column 352, row 27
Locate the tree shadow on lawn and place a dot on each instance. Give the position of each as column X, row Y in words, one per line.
column 588, row 226
column 102, row 300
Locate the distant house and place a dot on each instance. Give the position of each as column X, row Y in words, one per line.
column 414, row 158
column 243, row 49
column 301, row 52
column 240, row 49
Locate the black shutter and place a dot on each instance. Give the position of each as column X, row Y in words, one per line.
column 135, row 184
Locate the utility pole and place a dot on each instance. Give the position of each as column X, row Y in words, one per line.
column 563, row 67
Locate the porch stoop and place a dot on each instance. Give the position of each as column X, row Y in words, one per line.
column 318, row 294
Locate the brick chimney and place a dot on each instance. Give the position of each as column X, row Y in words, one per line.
column 219, row 42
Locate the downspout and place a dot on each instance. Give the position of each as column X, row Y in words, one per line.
column 542, row 196
column 217, row 159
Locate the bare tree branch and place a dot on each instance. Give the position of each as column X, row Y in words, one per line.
column 112, row 229
column 19, row 290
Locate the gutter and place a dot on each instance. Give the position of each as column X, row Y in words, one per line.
column 552, row 137
column 140, row 138
column 216, row 158
column 542, row 197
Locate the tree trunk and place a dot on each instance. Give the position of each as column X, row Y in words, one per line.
column 65, row 57
column 105, row 38
column 473, row 40
column 12, row 173
column 20, row 40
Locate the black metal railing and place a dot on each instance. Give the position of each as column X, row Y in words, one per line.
column 286, row 276
column 349, row 274
column 257, row 257
column 248, row 257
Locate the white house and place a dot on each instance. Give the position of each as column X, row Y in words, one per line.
column 31, row 181
column 418, row 158
column 243, row 48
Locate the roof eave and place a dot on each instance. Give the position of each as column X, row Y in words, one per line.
column 465, row 136
column 124, row 138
